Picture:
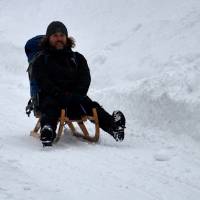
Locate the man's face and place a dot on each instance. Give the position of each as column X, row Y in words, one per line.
column 58, row 40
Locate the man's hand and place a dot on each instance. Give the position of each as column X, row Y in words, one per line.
column 68, row 98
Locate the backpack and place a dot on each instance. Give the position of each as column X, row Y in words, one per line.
column 32, row 47
column 33, row 51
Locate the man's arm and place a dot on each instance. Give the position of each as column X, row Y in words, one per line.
column 40, row 75
column 84, row 78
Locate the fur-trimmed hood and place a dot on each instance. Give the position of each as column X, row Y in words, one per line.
column 45, row 43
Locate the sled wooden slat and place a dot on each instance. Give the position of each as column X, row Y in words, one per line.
column 35, row 131
column 61, row 126
column 86, row 135
column 65, row 120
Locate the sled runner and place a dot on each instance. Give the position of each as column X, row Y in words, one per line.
column 65, row 120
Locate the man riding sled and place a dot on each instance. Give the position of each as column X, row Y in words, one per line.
column 63, row 79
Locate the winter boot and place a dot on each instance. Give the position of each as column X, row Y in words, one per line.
column 47, row 135
column 118, row 125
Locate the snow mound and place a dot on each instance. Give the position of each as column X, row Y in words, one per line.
column 170, row 101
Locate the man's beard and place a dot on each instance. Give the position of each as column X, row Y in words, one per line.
column 57, row 46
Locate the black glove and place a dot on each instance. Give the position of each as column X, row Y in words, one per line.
column 69, row 99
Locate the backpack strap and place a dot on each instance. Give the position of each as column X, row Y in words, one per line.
column 33, row 60
column 46, row 56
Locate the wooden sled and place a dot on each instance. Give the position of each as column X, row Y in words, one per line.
column 64, row 120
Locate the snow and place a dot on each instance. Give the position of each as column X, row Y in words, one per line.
column 144, row 60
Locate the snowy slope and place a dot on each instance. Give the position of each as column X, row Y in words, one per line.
column 144, row 59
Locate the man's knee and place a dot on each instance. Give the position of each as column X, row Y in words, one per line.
column 96, row 105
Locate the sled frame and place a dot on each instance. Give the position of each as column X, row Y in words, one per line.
column 64, row 120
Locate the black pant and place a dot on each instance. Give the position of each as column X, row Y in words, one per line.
column 51, row 109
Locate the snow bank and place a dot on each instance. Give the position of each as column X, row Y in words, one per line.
column 170, row 101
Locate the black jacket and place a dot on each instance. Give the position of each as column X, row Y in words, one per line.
column 59, row 71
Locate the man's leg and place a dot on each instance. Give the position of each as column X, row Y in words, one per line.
column 50, row 113
column 113, row 124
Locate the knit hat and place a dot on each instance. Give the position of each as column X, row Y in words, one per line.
column 55, row 27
